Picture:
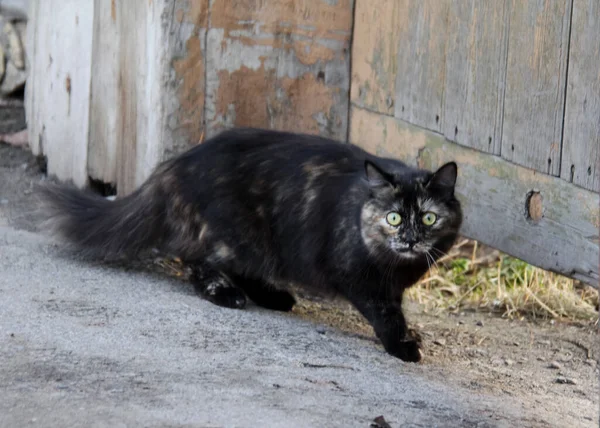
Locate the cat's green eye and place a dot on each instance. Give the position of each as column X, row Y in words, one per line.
column 394, row 218
column 429, row 218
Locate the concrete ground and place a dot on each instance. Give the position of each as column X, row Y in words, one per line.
column 89, row 345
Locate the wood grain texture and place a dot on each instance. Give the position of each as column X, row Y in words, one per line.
column 475, row 65
column 421, row 70
column 184, row 95
column 494, row 195
column 104, row 142
column 147, row 87
column 280, row 64
column 581, row 138
column 57, row 101
column 535, row 83
column 375, row 54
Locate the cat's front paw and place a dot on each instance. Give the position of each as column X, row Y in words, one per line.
column 218, row 291
column 407, row 350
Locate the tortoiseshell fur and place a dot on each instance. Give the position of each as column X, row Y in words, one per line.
column 254, row 210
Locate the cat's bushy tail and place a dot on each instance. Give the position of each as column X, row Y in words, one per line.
column 98, row 227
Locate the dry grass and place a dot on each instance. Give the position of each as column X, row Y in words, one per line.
column 475, row 277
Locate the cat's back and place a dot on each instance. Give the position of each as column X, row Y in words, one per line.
column 251, row 151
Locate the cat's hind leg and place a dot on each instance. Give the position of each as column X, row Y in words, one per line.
column 266, row 295
column 217, row 287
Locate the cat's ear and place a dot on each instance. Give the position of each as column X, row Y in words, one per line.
column 375, row 175
column 444, row 177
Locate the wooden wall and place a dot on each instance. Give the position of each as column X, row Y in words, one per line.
column 119, row 85
column 508, row 88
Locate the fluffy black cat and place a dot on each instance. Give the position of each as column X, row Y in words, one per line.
column 254, row 210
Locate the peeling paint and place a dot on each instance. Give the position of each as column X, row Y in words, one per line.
column 184, row 100
column 279, row 65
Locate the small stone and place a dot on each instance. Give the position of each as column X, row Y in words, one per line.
column 479, row 323
column 591, row 362
column 552, row 322
column 516, row 344
column 321, row 330
column 509, row 362
column 555, row 365
column 541, row 359
column 545, row 342
column 497, row 362
column 440, row 342
column 565, row 358
column 565, row 381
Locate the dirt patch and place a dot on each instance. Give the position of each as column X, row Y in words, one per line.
column 549, row 366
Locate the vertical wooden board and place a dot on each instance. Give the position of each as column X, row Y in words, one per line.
column 494, row 194
column 279, row 64
column 374, row 54
column 535, row 83
column 58, row 98
column 31, row 112
column 103, row 143
column 474, row 78
column 141, row 63
column 148, row 86
column 420, row 79
column 184, row 95
column 581, row 138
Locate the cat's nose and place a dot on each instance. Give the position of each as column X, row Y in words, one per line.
column 411, row 243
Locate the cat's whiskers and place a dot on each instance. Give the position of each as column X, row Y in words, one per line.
column 434, row 262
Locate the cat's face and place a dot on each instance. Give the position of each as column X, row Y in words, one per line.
column 410, row 215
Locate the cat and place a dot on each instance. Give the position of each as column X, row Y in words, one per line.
column 252, row 210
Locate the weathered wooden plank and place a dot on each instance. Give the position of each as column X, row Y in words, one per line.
column 375, row 54
column 184, row 96
column 535, row 83
column 57, row 101
column 104, row 141
column 138, row 119
column 495, row 193
column 420, row 78
column 581, row 138
column 141, row 63
column 279, row 64
column 475, row 64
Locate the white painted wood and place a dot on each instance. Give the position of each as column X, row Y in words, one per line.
column 146, row 104
column 104, row 141
column 59, row 86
